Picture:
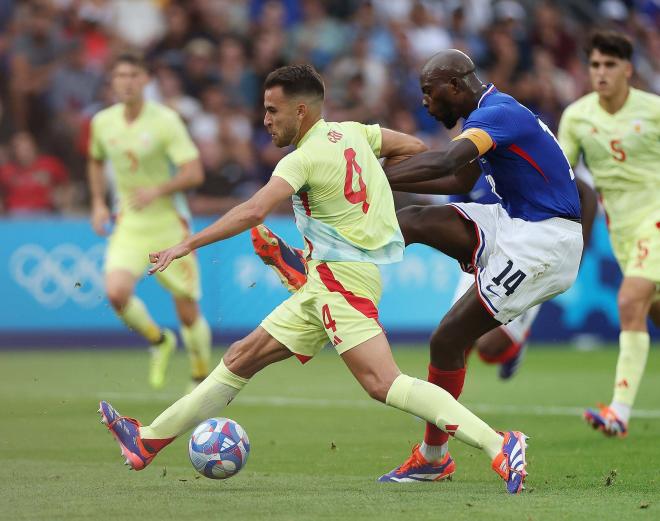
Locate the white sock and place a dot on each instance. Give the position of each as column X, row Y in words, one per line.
column 622, row 410
column 433, row 453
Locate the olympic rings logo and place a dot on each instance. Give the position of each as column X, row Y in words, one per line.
column 66, row 272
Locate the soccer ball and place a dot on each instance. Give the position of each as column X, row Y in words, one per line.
column 218, row 448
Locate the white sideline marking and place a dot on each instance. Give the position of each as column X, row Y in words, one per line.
column 285, row 401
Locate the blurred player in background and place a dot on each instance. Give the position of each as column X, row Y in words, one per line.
column 153, row 161
column 616, row 129
column 345, row 210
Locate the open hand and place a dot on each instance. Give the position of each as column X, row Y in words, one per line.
column 162, row 259
column 143, row 197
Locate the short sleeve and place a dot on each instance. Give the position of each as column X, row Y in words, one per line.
column 495, row 121
column 96, row 150
column 293, row 169
column 374, row 138
column 566, row 137
column 179, row 147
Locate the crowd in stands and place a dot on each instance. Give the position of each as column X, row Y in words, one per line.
column 208, row 59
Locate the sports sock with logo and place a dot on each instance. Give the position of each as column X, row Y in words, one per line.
column 197, row 339
column 205, row 401
column 434, row 446
column 433, row 404
column 633, row 352
column 137, row 318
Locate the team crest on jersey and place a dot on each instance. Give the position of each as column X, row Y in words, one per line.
column 637, row 126
column 146, row 139
column 334, row 136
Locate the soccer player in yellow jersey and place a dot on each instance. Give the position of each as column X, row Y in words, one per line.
column 153, row 161
column 344, row 209
column 616, row 129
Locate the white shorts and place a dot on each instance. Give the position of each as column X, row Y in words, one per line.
column 519, row 264
column 518, row 329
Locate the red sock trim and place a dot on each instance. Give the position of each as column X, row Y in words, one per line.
column 452, row 382
column 512, row 350
column 157, row 445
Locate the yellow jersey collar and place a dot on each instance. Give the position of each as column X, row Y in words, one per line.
column 311, row 130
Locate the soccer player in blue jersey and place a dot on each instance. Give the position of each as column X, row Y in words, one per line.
column 521, row 252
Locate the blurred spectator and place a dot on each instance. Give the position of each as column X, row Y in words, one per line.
column 166, row 88
column 357, row 81
column 198, row 70
column 236, row 74
column 138, row 23
column 210, row 57
column 31, row 182
column 73, row 84
column 426, row 33
column 550, row 33
column 35, row 54
column 317, row 39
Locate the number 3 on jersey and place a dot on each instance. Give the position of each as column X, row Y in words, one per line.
column 352, row 196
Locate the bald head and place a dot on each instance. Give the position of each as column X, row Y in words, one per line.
column 450, row 86
column 450, row 63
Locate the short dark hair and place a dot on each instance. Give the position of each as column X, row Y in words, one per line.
column 296, row 80
column 132, row 58
column 609, row 42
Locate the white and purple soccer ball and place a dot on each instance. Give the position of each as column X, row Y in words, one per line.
column 218, row 448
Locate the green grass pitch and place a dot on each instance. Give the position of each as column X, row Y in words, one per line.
column 319, row 443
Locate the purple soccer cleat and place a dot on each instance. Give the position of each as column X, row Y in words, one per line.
column 416, row 468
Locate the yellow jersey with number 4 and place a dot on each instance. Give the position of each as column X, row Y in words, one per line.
column 143, row 153
column 343, row 202
column 622, row 151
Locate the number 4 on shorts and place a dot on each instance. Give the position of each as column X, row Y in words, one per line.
column 329, row 323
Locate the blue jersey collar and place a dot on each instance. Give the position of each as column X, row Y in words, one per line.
column 489, row 90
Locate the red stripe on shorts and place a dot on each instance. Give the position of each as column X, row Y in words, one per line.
column 362, row 304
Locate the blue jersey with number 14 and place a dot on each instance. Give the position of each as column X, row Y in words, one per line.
column 528, row 169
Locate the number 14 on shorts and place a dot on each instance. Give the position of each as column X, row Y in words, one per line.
column 511, row 283
column 330, row 324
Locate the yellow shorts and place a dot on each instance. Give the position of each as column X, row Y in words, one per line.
column 637, row 250
column 131, row 242
column 338, row 305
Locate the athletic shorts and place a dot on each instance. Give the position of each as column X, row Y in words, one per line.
column 519, row 264
column 131, row 242
column 518, row 329
column 337, row 305
column 637, row 249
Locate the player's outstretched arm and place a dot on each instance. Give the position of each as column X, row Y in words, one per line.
column 397, row 146
column 449, row 171
column 240, row 218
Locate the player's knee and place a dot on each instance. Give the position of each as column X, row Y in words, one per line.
column 378, row 390
column 632, row 308
column 187, row 311
column 118, row 297
column 377, row 387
